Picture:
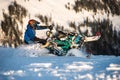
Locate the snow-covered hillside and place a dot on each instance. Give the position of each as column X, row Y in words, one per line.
column 57, row 11
column 19, row 64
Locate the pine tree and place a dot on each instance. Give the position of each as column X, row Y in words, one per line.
column 10, row 26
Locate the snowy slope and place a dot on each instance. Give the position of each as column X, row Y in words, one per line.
column 33, row 63
column 57, row 11
column 16, row 67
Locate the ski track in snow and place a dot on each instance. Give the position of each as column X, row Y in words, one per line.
column 45, row 67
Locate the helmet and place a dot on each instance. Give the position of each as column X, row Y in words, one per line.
column 33, row 22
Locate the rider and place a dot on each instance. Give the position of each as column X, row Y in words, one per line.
column 30, row 33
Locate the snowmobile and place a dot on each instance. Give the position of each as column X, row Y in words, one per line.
column 60, row 43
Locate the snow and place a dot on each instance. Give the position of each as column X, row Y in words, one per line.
column 20, row 64
column 59, row 14
column 4, row 6
column 31, row 62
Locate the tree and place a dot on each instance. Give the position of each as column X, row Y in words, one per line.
column 10, row 24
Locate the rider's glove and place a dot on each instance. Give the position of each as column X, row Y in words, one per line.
column 50, row 27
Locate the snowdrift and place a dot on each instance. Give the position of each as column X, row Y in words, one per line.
column 34, row 50
column 14, row 65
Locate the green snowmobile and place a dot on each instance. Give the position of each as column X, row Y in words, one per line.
column 60, row 43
